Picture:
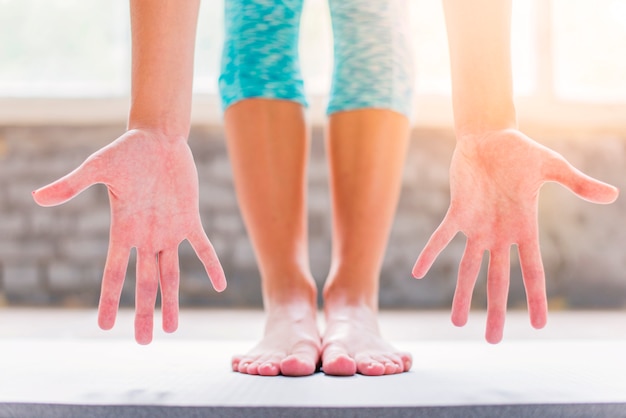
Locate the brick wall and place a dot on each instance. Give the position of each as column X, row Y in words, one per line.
column 56, row 255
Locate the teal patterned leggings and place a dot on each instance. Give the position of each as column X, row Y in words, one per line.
column 373, row 65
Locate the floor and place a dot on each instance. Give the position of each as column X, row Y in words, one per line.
column 57, row 363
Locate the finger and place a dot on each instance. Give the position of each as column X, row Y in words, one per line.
column 145, row 295
column 169, row 277
column 437, row 242
column 534, row 282
column 497, row 293
column 582, row 185
column 468, row 273
column 203, row 248
column 112, row 284
column 66, row 187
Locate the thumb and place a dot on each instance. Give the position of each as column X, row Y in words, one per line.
column 582, row 185
column 66, row 187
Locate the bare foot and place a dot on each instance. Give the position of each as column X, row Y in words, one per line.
column 352, row 344
column 290, row 346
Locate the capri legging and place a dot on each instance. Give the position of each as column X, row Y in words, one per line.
column 373, row 66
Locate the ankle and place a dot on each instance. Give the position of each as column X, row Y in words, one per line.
column 298, row 290
column 339, row 296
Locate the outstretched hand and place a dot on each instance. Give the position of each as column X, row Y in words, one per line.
column 153, row 192
column 494, row 183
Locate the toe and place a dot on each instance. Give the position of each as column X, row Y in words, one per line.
column 243, row 366
column 253, row 368
column 407, row 361
column 269, row 368
column 249, row 364
column 265, row 364
column 341, row 365
column 391, row 367
column 369, row 365
column 294, row 365
column 337, row 362
column 394, row 364
column 371, row 368
column 302, row 361
column 235, row 363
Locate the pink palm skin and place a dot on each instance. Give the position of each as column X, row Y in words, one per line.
column 495, row 179
column 153, row 191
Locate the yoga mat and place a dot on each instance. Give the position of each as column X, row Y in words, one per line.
column 192, row 378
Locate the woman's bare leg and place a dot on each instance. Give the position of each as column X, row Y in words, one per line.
column 268, row 147
column 367, row 149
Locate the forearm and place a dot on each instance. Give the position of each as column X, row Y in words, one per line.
column 480, row 59
column 163, row 40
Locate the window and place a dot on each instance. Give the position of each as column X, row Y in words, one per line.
column 563, row 50
column 589, row 39
column 63, row 48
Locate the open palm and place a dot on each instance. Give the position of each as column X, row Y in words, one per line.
column 494, row 183
column 153, row 192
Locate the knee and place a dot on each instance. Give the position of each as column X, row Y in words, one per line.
column 260, row 53
column 373, row 60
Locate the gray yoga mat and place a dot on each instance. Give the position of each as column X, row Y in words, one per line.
column 192, row 378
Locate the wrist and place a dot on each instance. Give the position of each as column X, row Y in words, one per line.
column 477, row 123
column 158, row 134
column 166, row 125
